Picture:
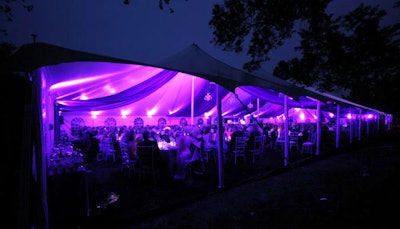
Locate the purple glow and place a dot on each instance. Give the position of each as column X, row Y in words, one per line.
column 302, row 116
column 129, row 91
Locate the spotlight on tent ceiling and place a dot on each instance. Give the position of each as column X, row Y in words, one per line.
column 208, row 97
column 250, row 105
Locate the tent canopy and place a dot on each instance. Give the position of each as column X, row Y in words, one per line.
column 85, row 82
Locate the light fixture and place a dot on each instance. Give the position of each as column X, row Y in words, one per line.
column 208, row 97
column 250, row 105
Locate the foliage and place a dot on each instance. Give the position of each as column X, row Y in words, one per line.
column 6, row 11
column 268, row 23
column 352, row 52
column 161, row 4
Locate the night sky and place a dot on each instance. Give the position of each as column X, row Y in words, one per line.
column 139, row 31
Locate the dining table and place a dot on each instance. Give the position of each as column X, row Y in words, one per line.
column 168, row 157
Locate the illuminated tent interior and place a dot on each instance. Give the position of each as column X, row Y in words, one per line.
column 128, row 91
column 94, row 88
column 140, row 91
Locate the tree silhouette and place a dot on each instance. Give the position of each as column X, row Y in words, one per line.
column 353, row 52
column 6, row 11
column 161, row 4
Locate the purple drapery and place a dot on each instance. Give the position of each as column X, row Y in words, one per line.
column 273, row 97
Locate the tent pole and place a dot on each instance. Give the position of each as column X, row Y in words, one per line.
column 192, row 103
column 319, row 122
column 258, row 109
column 57, row 125
column 220, row 152
column 337, row 126
column 351, row 126
column 286, row 132
column 359, row 125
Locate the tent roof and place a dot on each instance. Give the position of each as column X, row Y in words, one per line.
column 191, row 60
column 35, row 55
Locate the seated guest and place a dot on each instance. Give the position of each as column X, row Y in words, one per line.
column 274, row 136
column 237, row 131
column 209, row 138
column 184, row 155
column 196, row 138
column 253, row 130
column 131, row 145
column 148, row 141
column 165, row 134
column 155, row 134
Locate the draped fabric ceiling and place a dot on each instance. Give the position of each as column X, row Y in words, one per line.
column 83, row 82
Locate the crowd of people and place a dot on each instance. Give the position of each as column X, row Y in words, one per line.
column 189, row 140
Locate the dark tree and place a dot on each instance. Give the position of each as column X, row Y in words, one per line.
column 161, row 4
column 6, row 11
column 261, row 25
column 353, row 52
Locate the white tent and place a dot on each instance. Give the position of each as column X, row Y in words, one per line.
column 72, row 83
column 69, row 83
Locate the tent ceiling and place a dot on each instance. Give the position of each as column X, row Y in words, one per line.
column 80, row 81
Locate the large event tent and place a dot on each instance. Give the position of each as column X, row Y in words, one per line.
column 69, row 84
column 94, row 88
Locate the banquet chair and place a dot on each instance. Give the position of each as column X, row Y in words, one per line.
column 146, row 164
column 308, row 146
column 197, row 162
column 210, row 151
column 126, row 162
column 240, row 149
column 280, row 143
column 294, row 141
column 209, row 147
column 258, row 147
column 107, row 150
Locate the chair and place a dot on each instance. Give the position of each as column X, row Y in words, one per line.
column 126, row 162
column 240, row 149
column 209, row 150
column 196, row 163
column 147, row 164
column 258, row 147
column 280, row 143
column 307, row 146
column 294, row 140
column 107, row 150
